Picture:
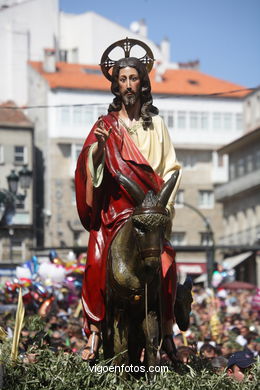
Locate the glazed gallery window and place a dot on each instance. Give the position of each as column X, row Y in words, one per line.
column 216, row 120
column 204, row 120
column 206, row 199
column 239, row 121
column 194, row 120
column 87, row 117
column 241, row 167
column 181, row 119
column 227, row 121
column 168, row 117
column 65, row 115
column 20, row 154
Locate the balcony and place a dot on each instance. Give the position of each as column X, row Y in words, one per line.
column 237, row 186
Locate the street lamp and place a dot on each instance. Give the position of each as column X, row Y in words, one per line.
column 25, row 178
column 9, row 197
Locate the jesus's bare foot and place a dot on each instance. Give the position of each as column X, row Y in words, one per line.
column 89, row 353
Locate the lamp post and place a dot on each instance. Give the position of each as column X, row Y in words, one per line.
column 9, row 197
column 210, row 243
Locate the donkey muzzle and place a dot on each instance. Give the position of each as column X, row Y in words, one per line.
column 150, row 252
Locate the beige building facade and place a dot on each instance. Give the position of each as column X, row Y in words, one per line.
column 16, row 150
column 240, row 196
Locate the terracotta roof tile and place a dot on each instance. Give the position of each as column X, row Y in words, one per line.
column 13, row 117
column 174, row 81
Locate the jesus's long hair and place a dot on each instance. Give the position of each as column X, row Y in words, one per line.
column 147, row 108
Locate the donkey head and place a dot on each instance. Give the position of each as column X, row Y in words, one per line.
column 149, row 221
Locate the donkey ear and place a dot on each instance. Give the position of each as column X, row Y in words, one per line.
column 168, row 187
column 131, row 187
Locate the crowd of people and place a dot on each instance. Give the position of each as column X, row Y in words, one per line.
column 224, row 330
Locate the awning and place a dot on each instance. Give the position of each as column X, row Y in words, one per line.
column 191, row 268
column 233, row 261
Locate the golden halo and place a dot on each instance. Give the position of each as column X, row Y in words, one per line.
column 127, row 44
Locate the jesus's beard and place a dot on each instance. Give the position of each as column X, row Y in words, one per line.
column 129, row 100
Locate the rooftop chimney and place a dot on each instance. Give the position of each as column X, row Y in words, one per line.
column 49, row 61
column 165, row 50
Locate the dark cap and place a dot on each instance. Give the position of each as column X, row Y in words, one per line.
column 242, row 359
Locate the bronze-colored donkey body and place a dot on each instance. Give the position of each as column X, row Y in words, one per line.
column 133, row 297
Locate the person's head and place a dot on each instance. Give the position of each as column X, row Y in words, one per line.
column 185, row 354
column 239, row 363
column 208, row 351
column 219, row 364
column 178, row 340
column 244, row 331
column 131, row 83
column 227, row 349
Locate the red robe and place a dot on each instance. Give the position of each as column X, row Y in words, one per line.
column 111, row 207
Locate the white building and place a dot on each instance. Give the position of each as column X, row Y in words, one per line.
column 26, row 28
column 29, row 27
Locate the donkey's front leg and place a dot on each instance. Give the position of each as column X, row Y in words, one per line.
column 151, row 331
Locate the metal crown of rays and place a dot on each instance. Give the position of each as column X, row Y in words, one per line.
column 126, row 44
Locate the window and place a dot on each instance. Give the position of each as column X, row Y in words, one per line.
column 227, row 121
column 204, row 120
column 76, row 149
column 216, row 120
column 179, row 198
column 75, row 152
column 65, row 115
column 178, row 238
column 20, row 155
column 88, row 115
column 239, row 122
column 63, row 55
column 101, row 110
column 181, row 119
column 206, row 238
column 241, row 167
column 206, row 199
column 232, row 171
column 194, row 120
column 170, row 120
column 168, row 117
column 17, row 248
column 20, row 203
column 220, row 159
column 249, row 163
column 77, row 114
column 189, row 161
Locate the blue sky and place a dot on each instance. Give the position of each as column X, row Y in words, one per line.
column 223, row 34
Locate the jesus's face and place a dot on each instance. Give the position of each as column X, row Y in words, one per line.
column 129, row 85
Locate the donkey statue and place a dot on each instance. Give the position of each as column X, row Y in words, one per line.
column 133, row 320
